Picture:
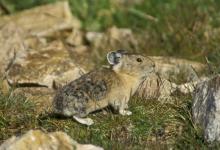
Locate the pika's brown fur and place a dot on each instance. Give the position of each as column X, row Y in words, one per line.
column 105, row 86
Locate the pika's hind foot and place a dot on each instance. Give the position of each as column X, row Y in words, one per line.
column 125, row 112
column 86, row 121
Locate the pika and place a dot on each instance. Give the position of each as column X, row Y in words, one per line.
column 103, row 87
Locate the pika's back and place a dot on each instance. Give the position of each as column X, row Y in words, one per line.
column 92, row 86
column 96, row 83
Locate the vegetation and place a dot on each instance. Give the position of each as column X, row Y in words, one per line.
column 153, row 125
column 188, row 29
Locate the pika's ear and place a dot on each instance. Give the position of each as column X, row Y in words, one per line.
column 113, row 57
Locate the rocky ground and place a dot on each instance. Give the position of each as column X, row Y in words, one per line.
column 47, row 45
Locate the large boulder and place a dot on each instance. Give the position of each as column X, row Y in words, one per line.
column 206, row 108
column 38, row 140
column 27, row 30
column 44, row 20
column 45, row 65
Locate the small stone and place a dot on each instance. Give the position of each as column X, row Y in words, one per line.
column 112, row 39
column 75, row 38
column 81, row 49
column 93, row 36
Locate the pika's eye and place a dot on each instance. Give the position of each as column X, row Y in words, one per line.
column 139, row 60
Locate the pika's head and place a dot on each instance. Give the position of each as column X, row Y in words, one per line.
column 131, row 64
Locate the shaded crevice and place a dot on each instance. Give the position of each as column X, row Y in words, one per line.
column 21, row 85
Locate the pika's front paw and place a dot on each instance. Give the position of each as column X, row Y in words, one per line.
column 125, row 112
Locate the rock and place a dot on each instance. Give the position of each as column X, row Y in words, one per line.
column 35, row 42
column 38, row 140
column 81, row 50
column 44, row 20
column 94, row 36
column 115, row 35
column 11, row 42
column 173, row 68
column 189, row 87
column 76, row 43
column 113, row 38
column 75, row 38
column 155, row 87
column 206, row 108
column 45, row 65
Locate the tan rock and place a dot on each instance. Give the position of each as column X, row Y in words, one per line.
column 82, row 49
column 94, row 36
column 35, row 42
column 45, row 65
column 114, row 38
column 44, row 20
column 38, row 140
column 155, row 87
column 169, row 67
column 75, row 38
column 11, row 42
column 121, row 38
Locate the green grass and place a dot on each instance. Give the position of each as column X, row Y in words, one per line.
column 152, row 125
column 187, row 29
column 13, row 120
